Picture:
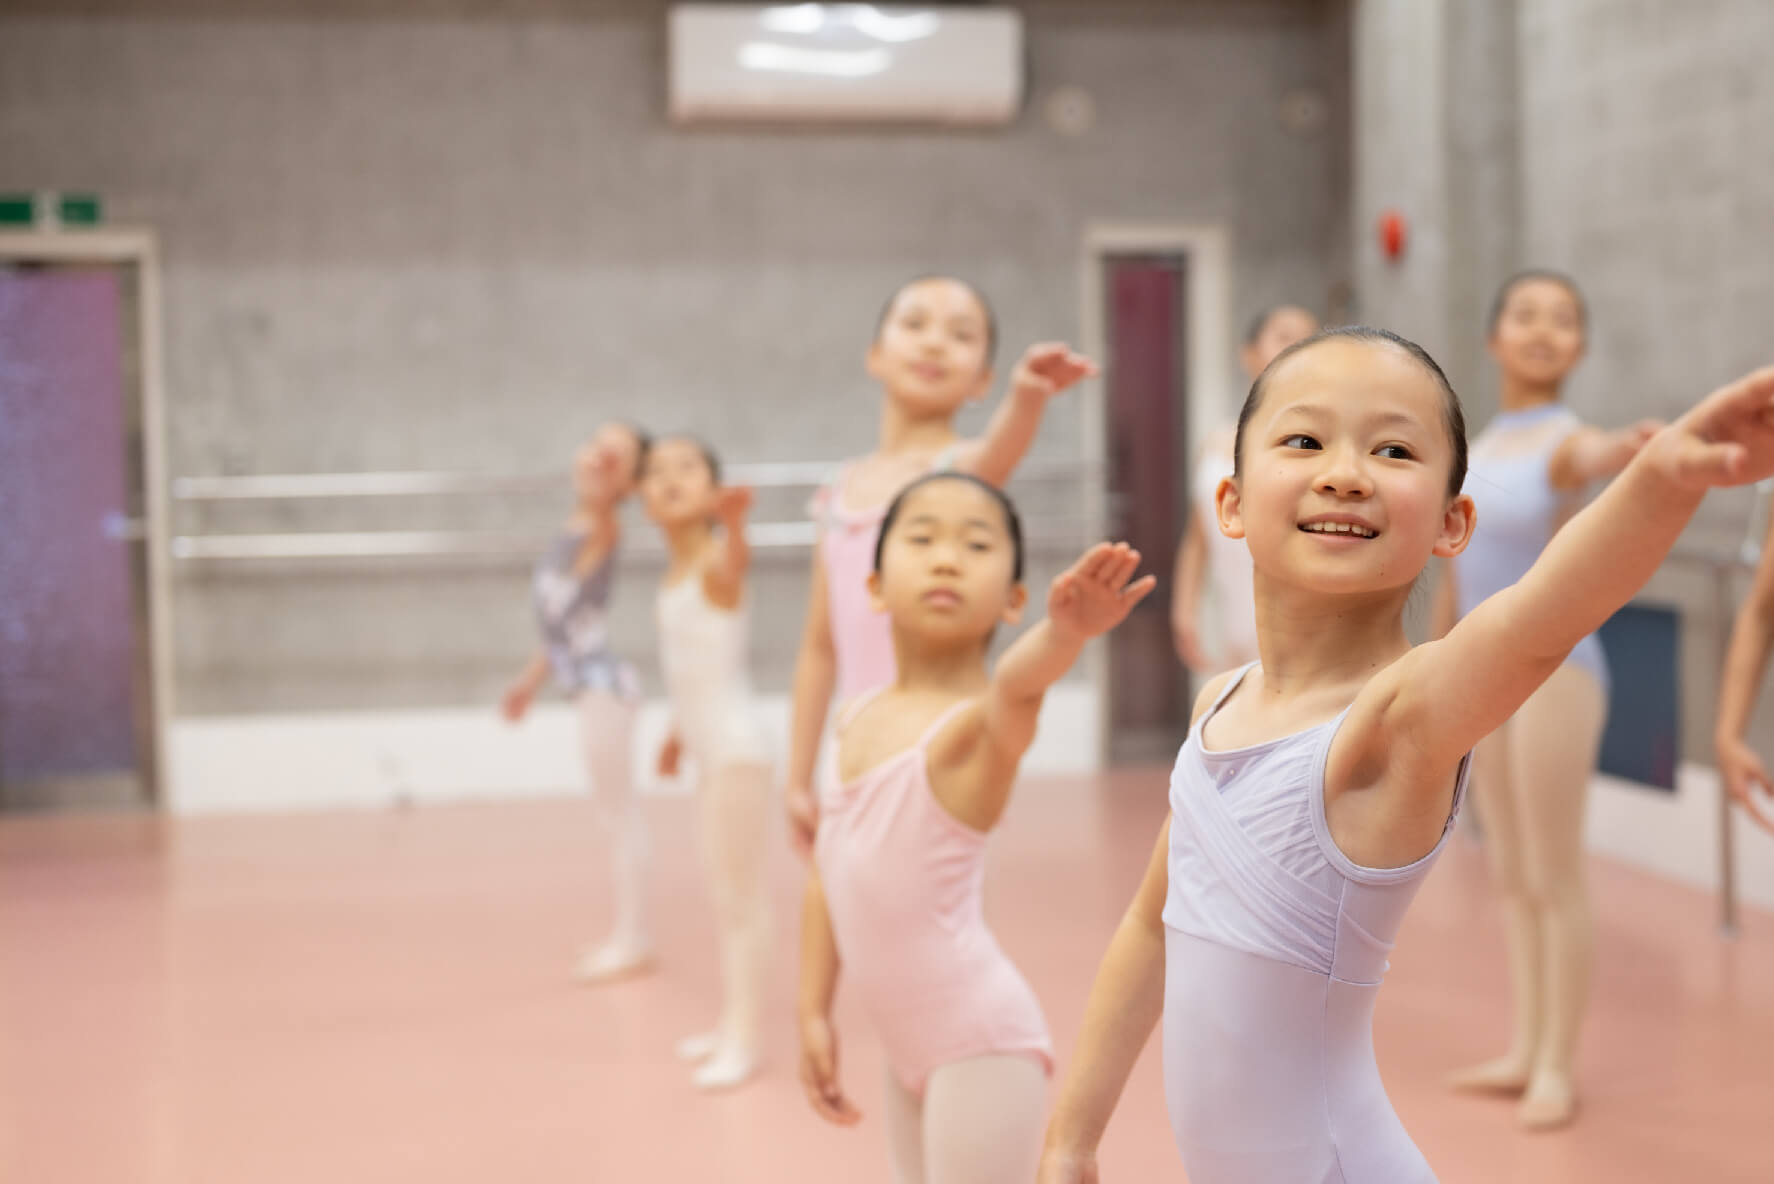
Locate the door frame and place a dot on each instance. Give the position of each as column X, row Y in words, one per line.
column 137, row 253
column 1207, row 333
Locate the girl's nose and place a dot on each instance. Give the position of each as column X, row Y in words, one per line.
column 1344, row 474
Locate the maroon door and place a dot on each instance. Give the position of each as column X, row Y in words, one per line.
column 69, row 677
column 1148, row 699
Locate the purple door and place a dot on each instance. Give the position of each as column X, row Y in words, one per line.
column 1145, row 400
column 69, row 658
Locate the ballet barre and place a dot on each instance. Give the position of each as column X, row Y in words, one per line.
column 1723, row 564
column 304, row 486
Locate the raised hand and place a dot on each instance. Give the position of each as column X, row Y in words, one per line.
column 819, row 1072
column 733, row 503
column 1048, row 368
column 1726, row 439
column 1093, row 595
column 1746, row 779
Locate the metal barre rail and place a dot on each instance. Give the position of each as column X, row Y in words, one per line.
column 1723, row 562
column 303, row 486
column 388, row 544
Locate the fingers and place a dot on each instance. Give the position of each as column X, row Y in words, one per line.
column 1712, row 464
column 1138, row 591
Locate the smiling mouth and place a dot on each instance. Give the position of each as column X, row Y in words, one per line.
column 1350, row 529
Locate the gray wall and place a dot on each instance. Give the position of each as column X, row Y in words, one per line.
column 457, row 238
column 1625, row 143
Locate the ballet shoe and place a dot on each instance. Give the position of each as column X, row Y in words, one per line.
column 1549, row 1103
column 693, row 1050
column 1507, row 1076
column 614, row 960
column 726, row 1068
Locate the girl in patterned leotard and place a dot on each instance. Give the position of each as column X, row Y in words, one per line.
column 571, row 588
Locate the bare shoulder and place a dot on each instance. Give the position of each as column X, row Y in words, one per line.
column 1209, row 692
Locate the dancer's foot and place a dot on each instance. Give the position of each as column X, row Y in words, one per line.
column 693, row 1050
column 615, row 959
column 1507, row 1075
column 729, row 1066
column 1549, row 1103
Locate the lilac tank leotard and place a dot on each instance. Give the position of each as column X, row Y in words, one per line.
column 904, row 881
column 1518, row 511
column 1275, row 945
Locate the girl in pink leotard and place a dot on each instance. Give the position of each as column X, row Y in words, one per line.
column 1318, row 785
column 926, row 767
column 932, row 355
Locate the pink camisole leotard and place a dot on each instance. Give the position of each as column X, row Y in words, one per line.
column 903, row 883
column 861, row 637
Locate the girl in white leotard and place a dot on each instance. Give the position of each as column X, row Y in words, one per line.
column 1317, row 787
column 570, row 589
column 702, row 643
column 1207, row 561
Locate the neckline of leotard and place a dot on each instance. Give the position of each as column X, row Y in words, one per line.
column 1199, row 732
column 919, row 746
column 1528, row 415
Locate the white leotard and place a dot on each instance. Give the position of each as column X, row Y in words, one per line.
column 703, row 652
column 1275, row 944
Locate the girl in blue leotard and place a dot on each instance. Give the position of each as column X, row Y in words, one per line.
column 1530, row 469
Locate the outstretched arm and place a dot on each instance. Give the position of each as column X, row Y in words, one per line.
column 816, row 673
column 1043, row 372
column 1185, row 602
column 726, row 574
column 1746, row 662
column 1125, row 1005
column 1591, row 454
column 1087, row 600
column 1506, row 647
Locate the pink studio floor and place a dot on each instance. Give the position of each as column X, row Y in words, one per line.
column 384, row 998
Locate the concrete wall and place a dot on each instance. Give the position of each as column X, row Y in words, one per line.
column 455, row 235
column 1625, row 143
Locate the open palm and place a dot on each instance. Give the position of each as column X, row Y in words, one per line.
column 1093, row 595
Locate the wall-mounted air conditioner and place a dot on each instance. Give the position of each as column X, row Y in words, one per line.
column 845, row 63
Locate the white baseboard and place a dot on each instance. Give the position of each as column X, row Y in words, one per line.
column 1676, row 834
column 379, row 759
column 369, row 760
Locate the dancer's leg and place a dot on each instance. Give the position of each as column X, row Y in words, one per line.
column 905, row 1131
column 983, row 1119
column 1557, row 739
column 735, row 809
column 1494, row 796
column 606, row 731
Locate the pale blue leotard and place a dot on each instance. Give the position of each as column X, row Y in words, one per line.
column 1518, row 511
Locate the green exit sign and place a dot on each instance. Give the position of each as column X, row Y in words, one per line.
column 50, row 209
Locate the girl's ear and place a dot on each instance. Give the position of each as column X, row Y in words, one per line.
column 875, row 600
column 1229, row 508
column 871, row 361
column 1013, row 608
column 1457, row 525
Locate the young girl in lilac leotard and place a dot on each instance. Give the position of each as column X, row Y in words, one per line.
column 1530, row 468
column 1317, row 786
column 926, row 766
column 932, row 355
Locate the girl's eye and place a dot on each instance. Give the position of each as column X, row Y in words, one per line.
column 1394, row 452
column 979, row 546
column 919, row 540
column 1303, row 441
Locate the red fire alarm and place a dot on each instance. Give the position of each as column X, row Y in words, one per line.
column 1393, row 231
